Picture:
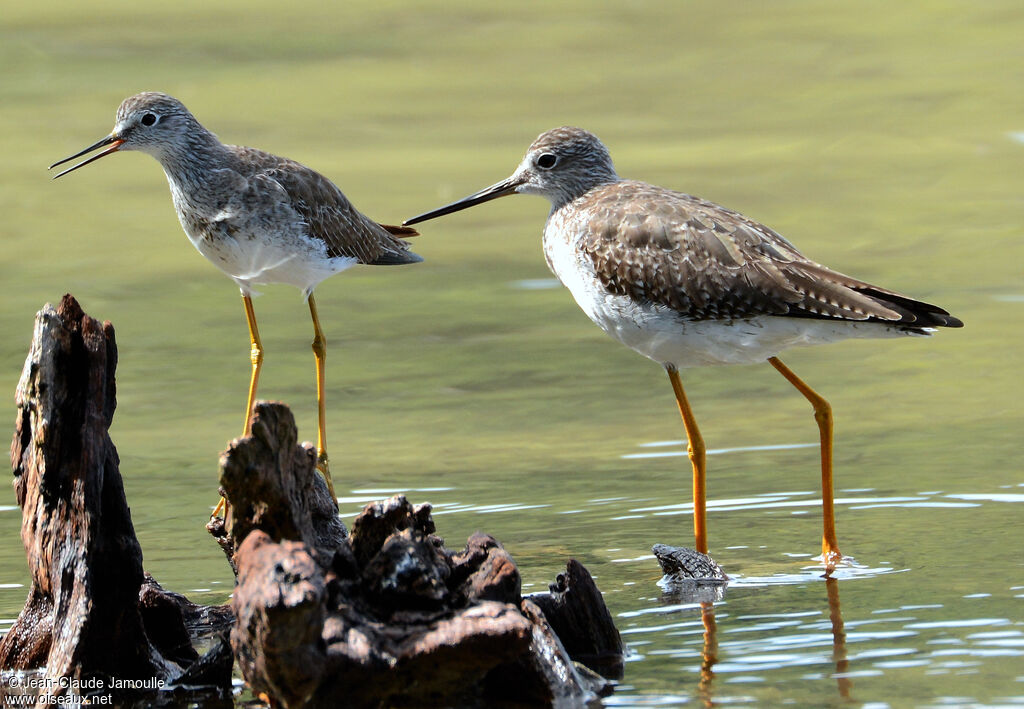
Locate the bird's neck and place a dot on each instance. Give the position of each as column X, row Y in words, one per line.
column 196, row 160
column 581, row 188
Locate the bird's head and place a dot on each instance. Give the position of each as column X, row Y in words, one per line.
column 150, row 122
column 561, row 164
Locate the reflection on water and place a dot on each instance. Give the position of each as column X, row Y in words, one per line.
column 710, row 451
column 710, row 658
column 790, row 500
column 919, row 612
column 708, row 653
column 537, row 284
column 910, row 615
column 848, row 568
column 797, row 640
column 835, row 616
column 727, row 649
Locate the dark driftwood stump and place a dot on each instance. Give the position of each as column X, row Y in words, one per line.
column 581, row 620
column 386, row 616
column 84, row 617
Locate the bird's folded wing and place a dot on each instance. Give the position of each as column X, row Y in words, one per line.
column 329, row 216
column 708, row 262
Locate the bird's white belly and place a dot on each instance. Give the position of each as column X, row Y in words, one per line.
column 251, row 259
column 659, row 333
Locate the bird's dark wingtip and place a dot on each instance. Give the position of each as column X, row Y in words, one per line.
column 396, row 258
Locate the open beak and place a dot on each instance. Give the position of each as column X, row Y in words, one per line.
column 501, row 189
column 110, row 140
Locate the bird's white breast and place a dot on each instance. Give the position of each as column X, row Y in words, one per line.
column 254, row 243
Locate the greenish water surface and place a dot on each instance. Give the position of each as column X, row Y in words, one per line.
column 885, row 140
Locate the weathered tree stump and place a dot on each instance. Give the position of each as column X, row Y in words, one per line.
column 578, row 616
column 84, row 617
column 386, row 616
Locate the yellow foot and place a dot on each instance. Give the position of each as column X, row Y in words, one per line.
column 221, row 507
column 323, row 465
column 830, row 556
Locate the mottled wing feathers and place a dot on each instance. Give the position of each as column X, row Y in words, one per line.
column 911, row 311
column 331, row 217
column 707, row 262
column 327, row 214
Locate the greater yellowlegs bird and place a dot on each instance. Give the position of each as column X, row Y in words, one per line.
column 257, row 217
column 689, row 283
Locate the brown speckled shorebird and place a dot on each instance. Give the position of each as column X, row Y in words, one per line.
column 257, row 217
column 689, row 283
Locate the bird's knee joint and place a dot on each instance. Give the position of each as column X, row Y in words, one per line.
column 256, row 355
column 320, row 346
column 696, row 452
column 823, row 412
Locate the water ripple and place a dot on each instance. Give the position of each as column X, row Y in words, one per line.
column 711, row 451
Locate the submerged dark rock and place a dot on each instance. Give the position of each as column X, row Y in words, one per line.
column 690, row 575
column 685, row 564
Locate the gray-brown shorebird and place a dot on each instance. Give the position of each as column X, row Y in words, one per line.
column 689, row 283
column 257, row 217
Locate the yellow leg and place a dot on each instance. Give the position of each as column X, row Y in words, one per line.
column 256, row 357
column 320, row 353
column 695, row 449
column 830, row 553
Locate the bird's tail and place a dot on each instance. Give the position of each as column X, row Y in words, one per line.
column 921, row 314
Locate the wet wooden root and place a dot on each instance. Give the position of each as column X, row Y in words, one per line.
column 88, row 595
column 581, row 620
column 382, row 615
column 385, row 615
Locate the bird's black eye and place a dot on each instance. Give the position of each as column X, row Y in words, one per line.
column 547, row 161
column 149, row 119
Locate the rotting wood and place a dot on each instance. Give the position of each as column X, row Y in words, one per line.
column 578, row 616
column 385, row 615
column 87, row 594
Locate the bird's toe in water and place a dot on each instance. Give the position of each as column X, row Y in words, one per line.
column 833, row 558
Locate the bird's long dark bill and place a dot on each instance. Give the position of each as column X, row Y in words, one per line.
column 110, row 140
column 501, row 189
